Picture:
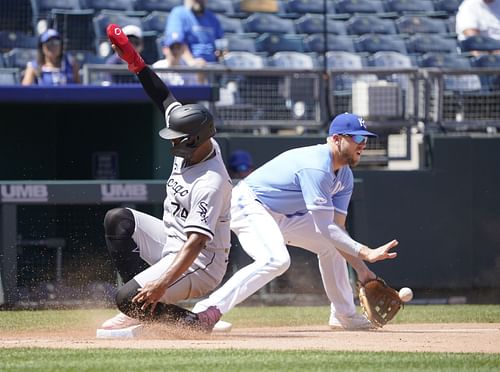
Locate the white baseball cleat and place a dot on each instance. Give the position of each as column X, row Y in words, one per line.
column 120, row 321
column 350, row 323
column 222, row 327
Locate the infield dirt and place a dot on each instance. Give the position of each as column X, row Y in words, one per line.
column 456, row 337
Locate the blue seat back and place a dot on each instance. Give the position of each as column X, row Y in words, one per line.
column 425, row 43
column 293, row 60
column 314, row 23
column 413, row 24
column 272, row 43
column 261, row 23
column 244, row 60
column 410, row 6
column 365, row 24
column 359, row 6
column 372, row 43
column 159, row 5
column 316, row 43
column 231, row 25
column 108, row 4
column 480, row 43
column 19, row 57
column 155, row 21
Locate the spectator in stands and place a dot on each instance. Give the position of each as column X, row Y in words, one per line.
column 196, row 28
column 134, row 34
column 172, row 50
column 52, row 66
column 478, row 17
column 240, row 164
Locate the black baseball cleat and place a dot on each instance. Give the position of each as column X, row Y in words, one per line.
column 203, row 321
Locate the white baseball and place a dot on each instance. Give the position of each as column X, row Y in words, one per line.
column 405, row 294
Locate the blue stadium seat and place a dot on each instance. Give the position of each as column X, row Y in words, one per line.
column 18, row 16
column 365, row 24
column 488, row 81
column 347, row 61
column 294, row 60
column 451, row 24
column 123, row 5
column 261, row 23
column 19, row 57
column 84, row 57
column 237, row 43
column 9, row 76
column 480, row 43
column 155, row 21
column 461, row 83
column 425, row 43
column 308, row 6
column 448, row 6
column 220, row 6
column 410, row 6
column 413, row 24
column 391, row 59
column 272, row 43
column 103, row 19
column 75, row 27
column 159, row 5
column 231, row 25
column 152, row 51
column 45, row 6
column 372, row 43
column 316, row 43
column 314, row 23
column 12, row 39
column 359, row 6
column 244, row 60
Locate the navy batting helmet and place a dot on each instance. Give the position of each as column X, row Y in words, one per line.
column 193, row 123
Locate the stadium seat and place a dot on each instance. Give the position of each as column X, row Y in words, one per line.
column 261, row 23
column 244, row 60
column 314, row 23
column 410, row 6
column 448, row 6
column 346, row 61
column 479, row 43
column 155, row 21
column 391, row 59
column 97, row 5
column 293, row 60
column 103, row 19
column 152, row 51
column 159, row 5
column 272, row 43
column 372, row 43
column 425, row 43
column 316, row 43
column 488, row 81
column 231, row 25
column 237, row 43
column 12, row 39
column 18, row 16
column 19, row 57
column 220, row 6
column 413, row 24
column 9, row 76
column 87, row 57
column 76, row 28
column 461, row 83
column 45, row 6
column 308, row 7
column 365, row 24
column 359, row 6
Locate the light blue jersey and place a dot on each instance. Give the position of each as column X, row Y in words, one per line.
column 302, row 179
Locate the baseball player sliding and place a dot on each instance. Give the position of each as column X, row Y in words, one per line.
column 301, row 198
column 185, row 254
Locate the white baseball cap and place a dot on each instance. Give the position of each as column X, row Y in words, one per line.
column 132, row 30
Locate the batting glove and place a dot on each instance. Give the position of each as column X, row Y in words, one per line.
column 126, row 51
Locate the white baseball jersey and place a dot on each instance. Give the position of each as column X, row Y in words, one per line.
column 198, row 200
column 476, row 14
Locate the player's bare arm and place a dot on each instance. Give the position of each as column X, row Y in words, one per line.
column 151, row 293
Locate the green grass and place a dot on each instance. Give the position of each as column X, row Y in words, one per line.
column 55, row 320
column 237, row 360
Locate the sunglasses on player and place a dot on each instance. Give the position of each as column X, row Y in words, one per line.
column 357, row 138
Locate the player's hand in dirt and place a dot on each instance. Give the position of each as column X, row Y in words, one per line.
column 150, row 295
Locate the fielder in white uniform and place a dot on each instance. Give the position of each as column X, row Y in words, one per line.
column 301, row 198
column 185, row 254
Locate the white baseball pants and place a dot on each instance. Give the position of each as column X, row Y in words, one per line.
column 263, row 235
column 159, row 251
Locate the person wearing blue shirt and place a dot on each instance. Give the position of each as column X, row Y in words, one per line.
column 52, row 66
column 196, row 28
column 301, row 198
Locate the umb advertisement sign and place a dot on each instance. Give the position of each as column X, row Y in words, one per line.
column 24, row 193
column 120, row 192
